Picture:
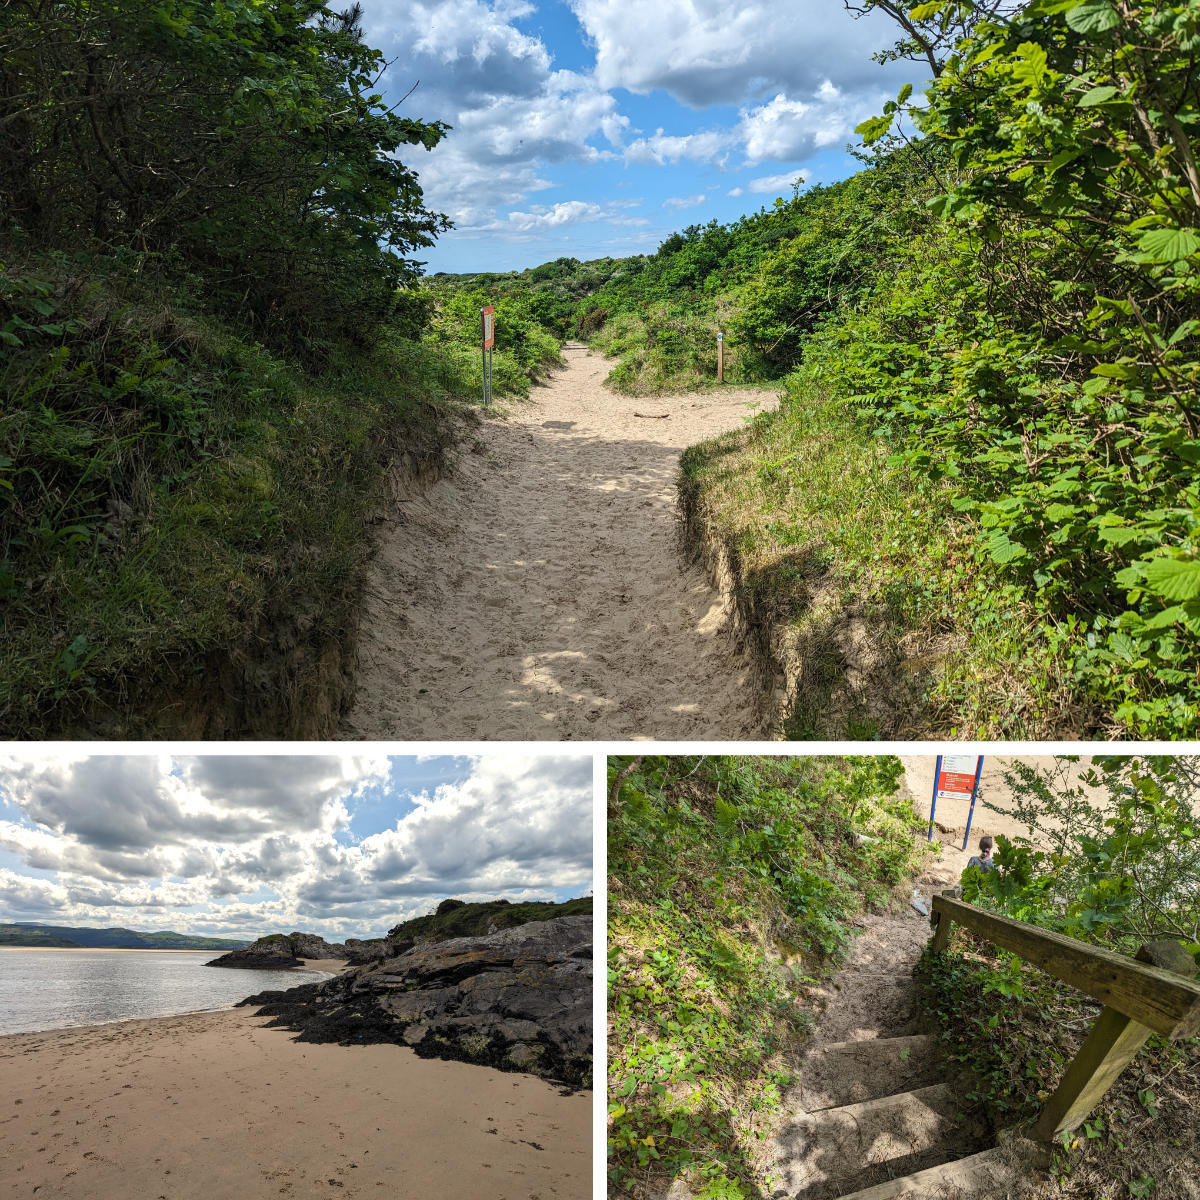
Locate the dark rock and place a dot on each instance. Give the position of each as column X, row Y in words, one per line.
column 519, row 1000
column 279, row 952
column 359, row 952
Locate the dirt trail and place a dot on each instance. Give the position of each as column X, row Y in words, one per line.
column 538, row 592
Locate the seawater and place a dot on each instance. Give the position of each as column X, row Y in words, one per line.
column 53, row 989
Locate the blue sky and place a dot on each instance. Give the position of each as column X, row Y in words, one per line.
column 595, row 128
column 345, row 845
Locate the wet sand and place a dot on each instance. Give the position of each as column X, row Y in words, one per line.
column 213, row 1106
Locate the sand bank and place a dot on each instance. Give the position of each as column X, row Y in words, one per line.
column 214, row 1106
column 332, row 965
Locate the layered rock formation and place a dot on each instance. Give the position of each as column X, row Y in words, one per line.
column 279, row 951
column 519, row 999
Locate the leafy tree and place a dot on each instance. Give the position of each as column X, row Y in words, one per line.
column 241, row 140
column 1119, row 869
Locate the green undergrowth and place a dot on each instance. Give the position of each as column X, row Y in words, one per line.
column 857, row 556
column 733, row 883
column 171, row 490
column 459, row 918
column 671, row 347
column 524, row 351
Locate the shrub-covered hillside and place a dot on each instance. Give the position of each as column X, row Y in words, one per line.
column 732, row 883
column 210, row 349
column 984, row 465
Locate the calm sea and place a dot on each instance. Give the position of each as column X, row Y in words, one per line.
column 51, row 989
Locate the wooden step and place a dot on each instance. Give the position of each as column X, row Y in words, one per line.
column 978, row 1175
column 818, row 1156
column 850, row 1072
column 889, row 1011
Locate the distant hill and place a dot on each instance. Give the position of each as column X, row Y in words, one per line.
column 14, row 937
column 69, row 937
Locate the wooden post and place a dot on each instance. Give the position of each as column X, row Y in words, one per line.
column 1105, row 1053
column 941, row 930
column 720, row 358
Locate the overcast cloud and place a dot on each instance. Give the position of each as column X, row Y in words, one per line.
column 247, row 845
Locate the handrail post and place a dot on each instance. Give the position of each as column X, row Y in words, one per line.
column 1107, row 1050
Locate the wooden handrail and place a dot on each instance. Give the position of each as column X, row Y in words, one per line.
column 1165, row 1002
column 1138, row 998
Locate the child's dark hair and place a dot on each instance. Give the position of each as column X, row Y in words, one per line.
column 987, row 842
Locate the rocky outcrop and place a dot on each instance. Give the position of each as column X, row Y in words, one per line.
column 519, row 999
column 280, row 951
column 359, row 952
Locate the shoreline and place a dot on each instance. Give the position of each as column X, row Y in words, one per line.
column 327, row 968
column 214, row 1105
column 111, row 950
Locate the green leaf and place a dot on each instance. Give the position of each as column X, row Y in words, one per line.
column 1174, row 578
column 1097, row 95
column 1031, row 65
column 1169, row 245
column 872, row 129
column 1002, row 548
column 1095, row 16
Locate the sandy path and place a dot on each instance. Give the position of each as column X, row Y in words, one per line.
column 212, row 1106
column 538, row 592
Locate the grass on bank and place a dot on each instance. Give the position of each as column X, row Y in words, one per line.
column 672, row 347
column 874, row 577
column 173, row 494
column 732, row 885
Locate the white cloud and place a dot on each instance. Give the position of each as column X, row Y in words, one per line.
column 664, row 148
column 567, row 212
column 195, row 842
column 777, row 185
column 706, row 52
column 786, row 128
column 675, row 203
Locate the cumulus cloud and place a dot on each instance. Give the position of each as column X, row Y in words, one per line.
column 707, row 52
column 255, row 844
column 777, row 185
column 798, row 78
column 568, row 212
column 662, row 148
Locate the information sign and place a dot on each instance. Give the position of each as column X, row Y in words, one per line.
column 487, row 326
column 956, row 778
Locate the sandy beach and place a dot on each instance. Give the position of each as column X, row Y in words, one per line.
column 215, row 1106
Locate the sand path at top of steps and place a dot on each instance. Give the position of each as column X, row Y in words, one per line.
column 538, row 591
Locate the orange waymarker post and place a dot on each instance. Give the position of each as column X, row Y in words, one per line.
column 487, row 323
column 720, row 358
